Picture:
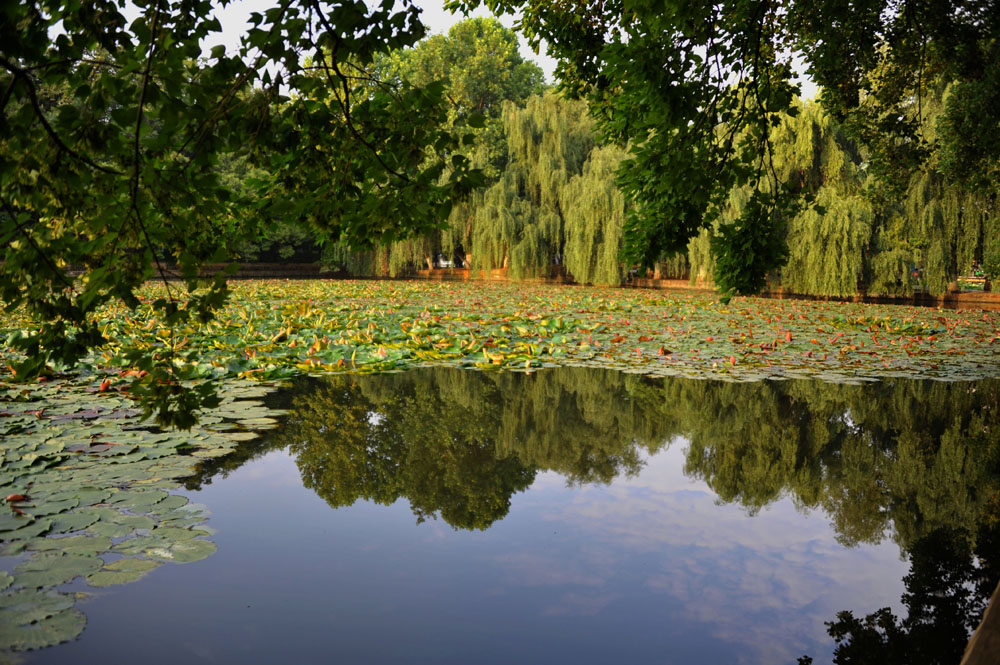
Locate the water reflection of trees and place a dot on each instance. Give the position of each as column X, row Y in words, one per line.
column 902, row 458
column 917, row 461
column 952, row 574
column 460, row 444
column 898, row 457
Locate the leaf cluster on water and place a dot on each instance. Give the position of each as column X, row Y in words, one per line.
column 275, row 329
column 88, row 495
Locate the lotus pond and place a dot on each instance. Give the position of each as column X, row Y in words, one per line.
column 642, row 483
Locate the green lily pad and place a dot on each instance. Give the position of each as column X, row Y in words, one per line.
column 140, row 544
column 186, row 551
column 176, row 533
column 138, row 501
column 133, row 521
column 72, row 522
column 48, row 571
column 10, row 521
column 169, row 504
column 52, row 507
column 55, row 629
column 110, row 530
column 122, row 572
column 23, row 606
column 72, row 545
column 32, row 530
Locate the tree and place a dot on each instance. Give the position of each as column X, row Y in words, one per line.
column 695, row 90
column 480, row 66
column 111, row 135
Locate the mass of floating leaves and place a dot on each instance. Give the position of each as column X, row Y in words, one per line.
column 87, row 485
column 273, row 329
column 86, row 493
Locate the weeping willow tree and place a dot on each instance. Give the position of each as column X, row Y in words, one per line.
column 594, row 213
column 944, row 224
column 827, row 239
column 518, row 223
column 478, row 62
column 948, row 229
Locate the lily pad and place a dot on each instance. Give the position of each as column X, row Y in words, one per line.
column 137, row 501
column 49, row 571
column 60, row 627
column 32, row 530
column 10, row 521
column 23, row 606
column 122, row 572
column 72, row 522
column 186, row 551
column 71, row 545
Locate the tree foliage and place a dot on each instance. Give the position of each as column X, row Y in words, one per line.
column 478, row 63
column 697, row 91
column 111, row 135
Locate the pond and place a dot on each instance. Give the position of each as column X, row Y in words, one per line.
column 579, row 515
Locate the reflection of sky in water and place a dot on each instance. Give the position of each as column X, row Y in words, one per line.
column 646, row 570
column 767, row 583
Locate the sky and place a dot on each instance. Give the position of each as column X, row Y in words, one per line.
column 234, row 18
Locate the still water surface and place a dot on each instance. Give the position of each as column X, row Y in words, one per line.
column 575, row 516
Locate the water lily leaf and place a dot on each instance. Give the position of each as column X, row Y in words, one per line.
column 71, row 545
column 23, row 606
column 176, row 533
column 122, row 572
column 133, row 521
column 60, row 627
column 169, row 504
column 110, row 530
column 178, row 469
column 5, row 580
column 33, row 530
column 140, row 544
column 72, row 522
column 211, row 452
column 261, row 422
column 11, row 521
column 137, row 501
column 53, row 570
column 241, row 436
column 53, row 507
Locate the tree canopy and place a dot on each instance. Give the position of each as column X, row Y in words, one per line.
column 113, row 127
column 696, row 91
